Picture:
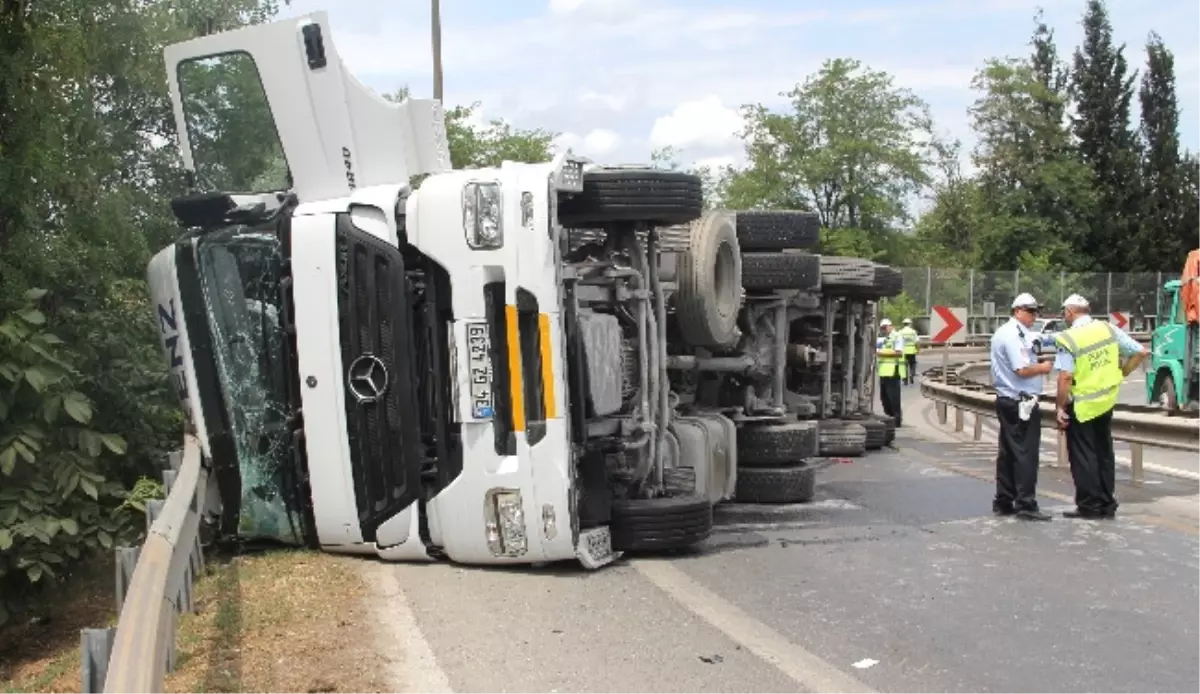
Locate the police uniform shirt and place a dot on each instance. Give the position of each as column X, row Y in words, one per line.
column 1012, row 349
column 1064, row 361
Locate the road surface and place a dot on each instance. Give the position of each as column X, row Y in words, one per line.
column 897, row 578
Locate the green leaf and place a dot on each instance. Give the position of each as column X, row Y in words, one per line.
column 24, row 451
column 114, row 443
column 78, row 407
column 105, row 539
column 32, row 316
column 35, row 294
column 34, row 572
column 51, row 408
column 49, row 339
column 8, row 461
column 37, row 378
column 52, row 526
column 51, row 558
column 88, row 487
column 69, row 526
column 8, row 515
column 89, row 442
column 6, row 539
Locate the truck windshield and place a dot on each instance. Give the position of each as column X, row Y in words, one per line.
column 239, row 271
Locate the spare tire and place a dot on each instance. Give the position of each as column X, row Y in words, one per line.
column 846, row 275
column 660, row 198
column 665, row 523
column 771, row 271
column 775, row 443
column 838, row 437
column 889, row 281
column 781, row 485
column 709, row 294
column 778, row 230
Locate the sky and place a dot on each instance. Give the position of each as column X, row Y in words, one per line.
column 617, row 79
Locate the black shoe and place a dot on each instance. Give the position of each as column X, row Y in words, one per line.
column 1032, row 514
column 1003, row 509
column 1089, row 515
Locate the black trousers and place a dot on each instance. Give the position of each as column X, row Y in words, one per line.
column 1017, row 460
column 1093, row 463
column 889, row 396
column 911, row 376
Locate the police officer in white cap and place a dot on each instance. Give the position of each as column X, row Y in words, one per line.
column 1017, row 376
column 891, row 367
column 1093, row 359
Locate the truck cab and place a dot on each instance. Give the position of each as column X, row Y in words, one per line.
column 385, row 356
column 1172, row 379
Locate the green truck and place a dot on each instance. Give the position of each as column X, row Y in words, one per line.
column 1172, row 377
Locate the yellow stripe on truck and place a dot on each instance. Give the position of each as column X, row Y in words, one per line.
column 547, row 365
column 516, row 386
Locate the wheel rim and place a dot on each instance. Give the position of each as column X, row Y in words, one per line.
column 723, row 278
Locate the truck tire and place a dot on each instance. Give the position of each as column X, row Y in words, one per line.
column 876, row 433
column 1165, row 394
column 781, row 485
column 709, row 296
column 661, row 198
column 889, row 428
column 846, row 274
column 775, row 444
column 666, row 523
column 778, row 230
column 889, row 281
column 679, row 481
column 842, row 438
column 771, row 271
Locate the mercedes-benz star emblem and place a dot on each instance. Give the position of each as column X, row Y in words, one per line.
column 368, row 378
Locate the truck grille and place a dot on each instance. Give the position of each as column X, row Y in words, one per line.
column 377, row 355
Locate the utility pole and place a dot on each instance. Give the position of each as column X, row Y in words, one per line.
column 436, row 22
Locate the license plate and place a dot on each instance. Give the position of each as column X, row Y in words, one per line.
column 479, row 366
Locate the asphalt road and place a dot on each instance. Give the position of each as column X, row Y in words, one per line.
column 896, row 579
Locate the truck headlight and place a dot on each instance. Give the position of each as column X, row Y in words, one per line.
column 504, row 518
column 483, row 221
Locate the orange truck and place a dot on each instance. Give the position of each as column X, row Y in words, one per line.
column 1175, row 346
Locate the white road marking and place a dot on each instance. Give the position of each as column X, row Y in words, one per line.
column 808, row 670
column 412, row 666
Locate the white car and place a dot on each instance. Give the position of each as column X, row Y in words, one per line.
column 1042, row 334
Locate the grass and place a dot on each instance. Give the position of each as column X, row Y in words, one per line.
column 276, row 621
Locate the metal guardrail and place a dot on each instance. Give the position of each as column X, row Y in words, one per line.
column 1138, row 426
column 154, row 586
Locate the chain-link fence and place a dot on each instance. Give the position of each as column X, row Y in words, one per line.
column 988, row 293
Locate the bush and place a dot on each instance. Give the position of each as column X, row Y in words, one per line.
column 56, row 506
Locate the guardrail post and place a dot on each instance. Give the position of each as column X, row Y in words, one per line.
column 958, row 419
column 169, row 477
column 978, row 426
column 95, row 648
column 175, row 459
column 1135, row 463
column 154, row 509
column 127, row 559
column 941, row 412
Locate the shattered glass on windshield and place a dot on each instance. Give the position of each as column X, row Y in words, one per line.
column 240, row 269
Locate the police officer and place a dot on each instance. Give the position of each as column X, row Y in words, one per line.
column 911, row 340
column 1090, row 372
column 889, row 356
column 1017, row 376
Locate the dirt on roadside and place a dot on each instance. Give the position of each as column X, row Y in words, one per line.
column 272, row 621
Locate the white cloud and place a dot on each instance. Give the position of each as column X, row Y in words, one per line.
column 716, row 163
column 596, row 143
column 703, row 123
column 614, row 102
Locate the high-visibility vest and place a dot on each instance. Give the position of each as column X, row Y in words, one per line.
column 911, row 338
column 891, row 367
column 1097, row 378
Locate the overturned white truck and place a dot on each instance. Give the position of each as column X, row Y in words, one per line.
column 522, row 364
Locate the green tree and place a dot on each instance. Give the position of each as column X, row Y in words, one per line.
column 1165, row 239
column 854, row 148
column 1102, row 86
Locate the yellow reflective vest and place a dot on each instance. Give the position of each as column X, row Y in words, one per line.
column 1097, row 378
column 911, row 339
column 890, row 366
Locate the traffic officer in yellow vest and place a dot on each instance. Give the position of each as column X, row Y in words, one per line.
column 1090, row 372
column 889, row 355
column 911, row 341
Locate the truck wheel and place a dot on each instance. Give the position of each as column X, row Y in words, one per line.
column 710, row 283
column 889, row 428
column 838, row 437
column 889, row 281
column 778, row 230
column 771, row 271
column 876, row 433
column 775, row 444
column 1165, row 394
column 782, row 485
column 665, row 523
column 661, row 198
column 849, row 275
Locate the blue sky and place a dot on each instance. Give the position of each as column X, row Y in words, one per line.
column 618, row 78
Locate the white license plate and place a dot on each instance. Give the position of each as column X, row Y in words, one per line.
column 479, row 366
